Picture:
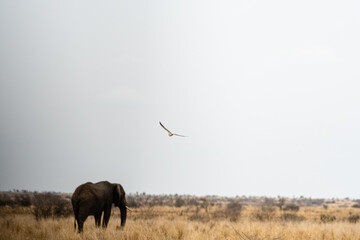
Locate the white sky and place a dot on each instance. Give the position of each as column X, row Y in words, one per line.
column 268, row 92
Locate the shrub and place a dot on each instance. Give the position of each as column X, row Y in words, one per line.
column 327, row 218
column 264, row 213
column 204, row 203
column 23, row 199
column 6, row 200
column 356, row 205
column 47, row 205
column 197, row 216
column 353, row 218
column 131, row 202
column 179, row 202
column 233, row 211
column 193, row 202
column 291, row 207
column 14, row 199
column 62, row 208
column 292, row 217
column 280, row 203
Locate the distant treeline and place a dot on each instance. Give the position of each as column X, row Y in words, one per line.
column 143, row 199
column 26, row 198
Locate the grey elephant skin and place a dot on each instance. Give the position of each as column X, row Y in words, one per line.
column 96, row 198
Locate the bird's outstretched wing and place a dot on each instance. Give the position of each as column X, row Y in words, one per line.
column 179, row 135
column 165, row 128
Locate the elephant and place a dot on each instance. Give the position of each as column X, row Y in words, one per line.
column 96, row 198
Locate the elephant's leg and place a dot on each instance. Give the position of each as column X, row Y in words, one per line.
column 107, row 213
column 83, row 214
column 80, row 225
column 97, row 219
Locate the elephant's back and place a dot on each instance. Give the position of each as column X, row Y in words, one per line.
column 88, row 196
column 84, row 190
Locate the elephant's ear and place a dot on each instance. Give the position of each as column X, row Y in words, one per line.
column 116, row 194
column 119, row 194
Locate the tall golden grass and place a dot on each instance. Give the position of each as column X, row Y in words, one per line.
column 161, row 222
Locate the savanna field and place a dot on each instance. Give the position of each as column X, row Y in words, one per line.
column 26, row 215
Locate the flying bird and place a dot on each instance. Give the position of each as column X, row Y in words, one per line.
column 170, row 133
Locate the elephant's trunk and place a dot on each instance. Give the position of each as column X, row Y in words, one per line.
column 123, row 211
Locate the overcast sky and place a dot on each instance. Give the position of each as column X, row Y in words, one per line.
column 267, row 91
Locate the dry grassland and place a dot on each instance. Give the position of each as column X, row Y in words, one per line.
column 162, row 222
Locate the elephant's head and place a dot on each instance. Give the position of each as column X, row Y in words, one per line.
column 120, row 201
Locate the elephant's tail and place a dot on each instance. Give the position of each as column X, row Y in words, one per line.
column 76, row 212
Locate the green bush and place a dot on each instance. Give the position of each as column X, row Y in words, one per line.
column 327, row 218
